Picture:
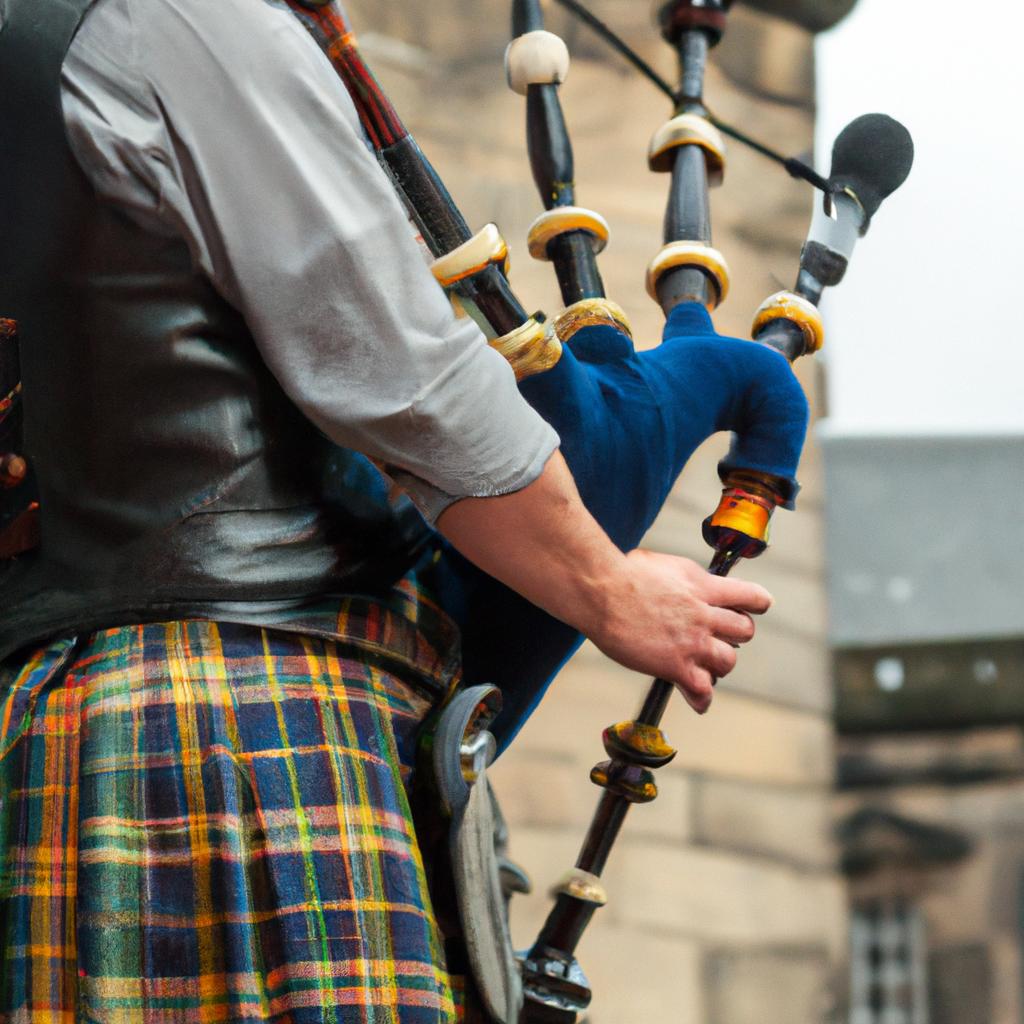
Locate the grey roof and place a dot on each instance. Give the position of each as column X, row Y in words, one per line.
column 924, row 538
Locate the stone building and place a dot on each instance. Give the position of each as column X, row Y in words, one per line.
column 726, row 905
column 928, row 632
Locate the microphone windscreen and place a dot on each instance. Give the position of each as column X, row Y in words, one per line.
column 872, row 157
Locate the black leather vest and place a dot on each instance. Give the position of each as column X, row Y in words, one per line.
column 174, row 476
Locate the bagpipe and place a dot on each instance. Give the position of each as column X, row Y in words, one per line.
column 628, row 421
column 629, row 417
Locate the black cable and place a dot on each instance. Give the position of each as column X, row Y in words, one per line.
column 618, row 43
column 794, row 166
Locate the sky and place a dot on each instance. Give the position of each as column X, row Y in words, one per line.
column 926, row 333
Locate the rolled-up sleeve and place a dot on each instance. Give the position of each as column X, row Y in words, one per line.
column 236, row 128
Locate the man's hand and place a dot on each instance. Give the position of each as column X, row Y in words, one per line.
column 669, row 617
column 653, row 613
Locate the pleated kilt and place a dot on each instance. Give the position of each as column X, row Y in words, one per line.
column 207, row 822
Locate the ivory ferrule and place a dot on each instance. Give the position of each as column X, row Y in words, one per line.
column 487, row 248
column 581, row 885
column 786, row 305
column 591, row 313
column 536, row 58
column 688, row 130
column 560, row 221
column 690, row 254
column 530, row 349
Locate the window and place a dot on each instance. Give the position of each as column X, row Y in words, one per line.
column 888, row 973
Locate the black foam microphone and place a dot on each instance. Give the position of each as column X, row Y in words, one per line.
column 871, row 158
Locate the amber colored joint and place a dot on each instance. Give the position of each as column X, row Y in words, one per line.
column 632, row 782
column 530, row 349
column 787, row 305
column 591, row 313
column 744, row 512
column 762, row 485
column 13, row 470
column 642, row 743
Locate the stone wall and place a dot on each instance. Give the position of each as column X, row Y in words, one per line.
column 725, row 904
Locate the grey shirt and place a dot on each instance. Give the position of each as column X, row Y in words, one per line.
column 223, row 123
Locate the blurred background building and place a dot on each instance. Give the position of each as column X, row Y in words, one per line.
column 924, row 456
column 783, row 877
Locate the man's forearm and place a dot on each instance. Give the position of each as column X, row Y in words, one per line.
column 543, row 543
column 654, row 613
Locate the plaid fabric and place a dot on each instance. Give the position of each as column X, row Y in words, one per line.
column 207, row 822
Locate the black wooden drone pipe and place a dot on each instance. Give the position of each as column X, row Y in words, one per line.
column 688, row 214
column 551, row 160
column 556, row 989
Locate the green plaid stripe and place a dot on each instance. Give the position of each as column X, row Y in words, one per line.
column 207, row 822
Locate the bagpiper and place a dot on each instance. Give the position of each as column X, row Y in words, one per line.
column 265, row 493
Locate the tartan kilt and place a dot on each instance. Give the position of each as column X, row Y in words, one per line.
column 204, row 821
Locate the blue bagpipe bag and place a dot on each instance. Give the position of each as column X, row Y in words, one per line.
column 628, row 423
